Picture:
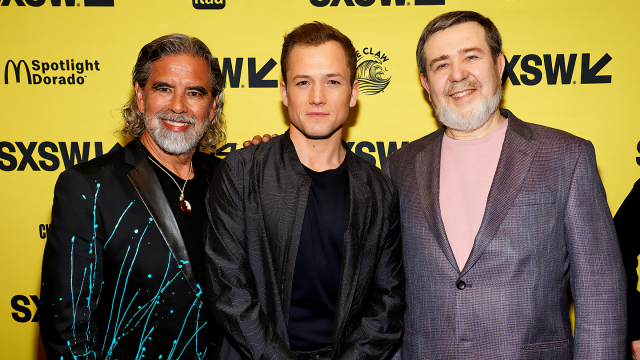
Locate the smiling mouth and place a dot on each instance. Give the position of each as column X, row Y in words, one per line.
column 462, row 93
column 176, row 123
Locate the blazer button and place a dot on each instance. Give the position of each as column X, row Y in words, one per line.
column 461, row 285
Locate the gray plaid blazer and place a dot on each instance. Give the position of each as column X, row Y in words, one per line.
column 546, row 237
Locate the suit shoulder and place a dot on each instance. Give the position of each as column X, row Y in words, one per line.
column 245, row 158
column 560, row 141
column 365, row 166
column 409, row 151
column 549, row 134
column 371, row 172
column 99, row 167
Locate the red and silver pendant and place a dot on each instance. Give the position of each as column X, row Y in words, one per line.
column 184, row 205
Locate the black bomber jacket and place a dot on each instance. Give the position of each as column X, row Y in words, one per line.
column 257, row 202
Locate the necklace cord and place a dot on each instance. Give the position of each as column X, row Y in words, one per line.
column 174, row 180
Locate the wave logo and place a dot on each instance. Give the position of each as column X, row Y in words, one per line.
column 373, row 75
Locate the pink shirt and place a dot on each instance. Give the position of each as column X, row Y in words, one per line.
column 467, row 168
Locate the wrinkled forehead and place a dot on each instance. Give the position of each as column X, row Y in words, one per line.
column 182, row 67
column 456, row 39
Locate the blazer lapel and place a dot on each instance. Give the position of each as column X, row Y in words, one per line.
column 353, row 244
column 290, row 158
column 516, row 158
column 428, row 178
column 146, row 182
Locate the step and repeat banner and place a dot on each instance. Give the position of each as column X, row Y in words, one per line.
column 572, row 65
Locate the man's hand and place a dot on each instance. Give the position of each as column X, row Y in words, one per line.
column 257, row 139
column 635, row 349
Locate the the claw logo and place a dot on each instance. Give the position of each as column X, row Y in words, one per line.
column 373, row 75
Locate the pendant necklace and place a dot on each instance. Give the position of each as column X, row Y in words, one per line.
column 184, row 204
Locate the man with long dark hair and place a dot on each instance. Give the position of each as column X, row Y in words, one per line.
column 122, row 273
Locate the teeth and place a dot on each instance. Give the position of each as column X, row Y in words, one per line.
column 457, row 95
column 174, row 123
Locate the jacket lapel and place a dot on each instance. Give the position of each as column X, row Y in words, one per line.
column 516, row 158
column 428, row 178
column 148, row 186
column 304, row 182
column 353, row 244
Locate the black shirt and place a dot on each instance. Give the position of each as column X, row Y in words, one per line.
column 316, row 279
column 192, row 227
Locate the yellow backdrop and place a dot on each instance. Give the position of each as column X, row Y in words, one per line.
column 571, row 67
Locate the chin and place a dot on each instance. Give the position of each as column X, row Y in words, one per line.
column 314, row 132
column 321, row 133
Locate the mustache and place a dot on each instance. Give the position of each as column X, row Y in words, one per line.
column 176, row 117
column 464, row 84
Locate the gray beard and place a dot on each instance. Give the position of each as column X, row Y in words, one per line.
column 475, row 119
column 174, row 143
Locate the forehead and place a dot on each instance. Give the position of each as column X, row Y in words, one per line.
column 455, row 38
column 327, row 57
column 180, row 68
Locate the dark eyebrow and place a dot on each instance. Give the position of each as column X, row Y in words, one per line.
column 161, row 84
column 464, row 51
column 200, row 89
column 301, row 77
column 309, row 77
column 439, row 58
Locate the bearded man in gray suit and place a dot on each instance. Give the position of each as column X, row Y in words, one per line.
column 503, row 222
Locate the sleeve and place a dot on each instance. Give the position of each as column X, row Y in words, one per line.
column 381, row 327
column 230, row 286
column 72, row 271
column 627, row 222
column 596, row 273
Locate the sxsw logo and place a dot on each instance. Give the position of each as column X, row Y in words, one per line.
column 68, row 3
column 232, row 70
column 365, row 3
column 365, row 149
column 209, row 4
column 23, row 307
column 562, row 68
column 50, row 155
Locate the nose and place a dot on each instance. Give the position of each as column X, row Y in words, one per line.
column 178, row 103
column 458, row 72
column 318, row 96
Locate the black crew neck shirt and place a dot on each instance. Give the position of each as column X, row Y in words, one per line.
column 192, row 228
column 191, row 225
column 316, row 278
